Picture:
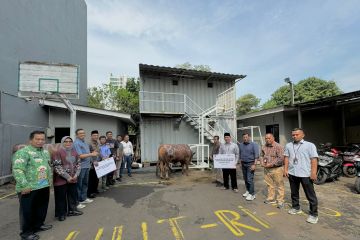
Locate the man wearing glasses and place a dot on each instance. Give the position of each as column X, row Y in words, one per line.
column 301, row 167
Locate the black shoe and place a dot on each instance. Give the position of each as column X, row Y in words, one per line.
column 129, row 175
column 118, row 179
column 31, row 237
column 75, row 213
column 93, row 195
column 61, row 218
column 44, row 228
column 219, row 184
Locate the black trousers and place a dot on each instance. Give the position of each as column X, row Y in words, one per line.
column 33, row 209
column 232, row 173
column 309, row 191
column 93, row 182
column 65, row 199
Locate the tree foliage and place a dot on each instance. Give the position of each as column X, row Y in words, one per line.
column 309, row 89
column 133, row 85
column 114, row 98
column 189, row 66
column 246, row 104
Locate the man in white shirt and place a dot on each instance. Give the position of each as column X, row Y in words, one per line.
column 128, row 154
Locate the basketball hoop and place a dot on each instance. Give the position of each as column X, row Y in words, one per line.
column 48, row 80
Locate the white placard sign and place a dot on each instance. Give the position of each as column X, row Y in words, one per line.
column 224, row 161
column 105, row 166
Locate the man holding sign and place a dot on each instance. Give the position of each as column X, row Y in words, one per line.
column 227, row 160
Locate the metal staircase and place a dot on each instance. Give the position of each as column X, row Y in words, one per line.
column 208, row 123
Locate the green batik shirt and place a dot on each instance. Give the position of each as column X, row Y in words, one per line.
column 31, row 169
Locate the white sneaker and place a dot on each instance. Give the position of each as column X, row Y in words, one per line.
column 294, row 211
column 88, row 200
column 246, row 194
column 312, row 219
column 250, row 197
column 80, row 206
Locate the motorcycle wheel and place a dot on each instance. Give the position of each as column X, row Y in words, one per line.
column 357, row 184
column 322, row 174
column 349, row 171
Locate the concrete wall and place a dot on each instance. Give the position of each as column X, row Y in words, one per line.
column 262, row 121
column 46, row 31
column 60, row 118
column 156, row 131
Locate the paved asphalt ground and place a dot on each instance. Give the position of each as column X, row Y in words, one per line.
column 191, row 207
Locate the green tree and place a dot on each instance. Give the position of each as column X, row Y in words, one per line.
column 247, row 103
column 113, row 98
column 189, row 66
column 133, row 85
column 309, row 89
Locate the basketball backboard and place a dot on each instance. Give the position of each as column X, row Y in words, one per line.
column 48, row 80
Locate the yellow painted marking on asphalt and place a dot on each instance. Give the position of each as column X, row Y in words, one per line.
column 144, row 230
column 209, row 225
column 8, row 195
column 72, row 235
column 232, row 224
column 335, row 213
column 175, row 229
column 99, row 234
column 117, row 234
column 255, row 218
column 271, row 213
column 325, row 210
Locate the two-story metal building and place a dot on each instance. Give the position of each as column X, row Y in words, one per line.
column 181, row 106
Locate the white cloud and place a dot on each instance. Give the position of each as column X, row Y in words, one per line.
column 264, row 40
column 132, row 18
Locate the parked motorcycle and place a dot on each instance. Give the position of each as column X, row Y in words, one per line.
column 349, row 161
column 329, row 165
column 357, row 167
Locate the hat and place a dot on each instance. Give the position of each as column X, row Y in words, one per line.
column 226, row 134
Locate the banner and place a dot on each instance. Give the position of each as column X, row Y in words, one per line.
column 105, row 166
column 225, row 161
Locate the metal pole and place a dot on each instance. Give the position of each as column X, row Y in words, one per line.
column 343, row 126
column 292, row 94
column 287, row 80
column 72, row 111
column 299, row 118
column 185, row 104
column 252, row 133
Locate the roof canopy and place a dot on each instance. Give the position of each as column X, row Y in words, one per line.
column 105, row 113
column 160, row 71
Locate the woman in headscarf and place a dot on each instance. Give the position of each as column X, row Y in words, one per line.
column 66, row 163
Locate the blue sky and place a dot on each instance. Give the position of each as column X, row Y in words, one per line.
column 265, row 40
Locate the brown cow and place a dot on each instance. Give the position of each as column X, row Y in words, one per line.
column 173, row 153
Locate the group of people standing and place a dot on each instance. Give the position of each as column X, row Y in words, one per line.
column 297, row 161
column 70, row 169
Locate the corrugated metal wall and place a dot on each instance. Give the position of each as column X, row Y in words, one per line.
column 197, row 90
column 156, row 131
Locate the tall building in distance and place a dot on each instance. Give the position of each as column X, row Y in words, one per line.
column 118, row 81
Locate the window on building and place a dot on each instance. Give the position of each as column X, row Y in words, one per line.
column 274, row 129
column 175, row 82
column 60, row 133
column 210, row 85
